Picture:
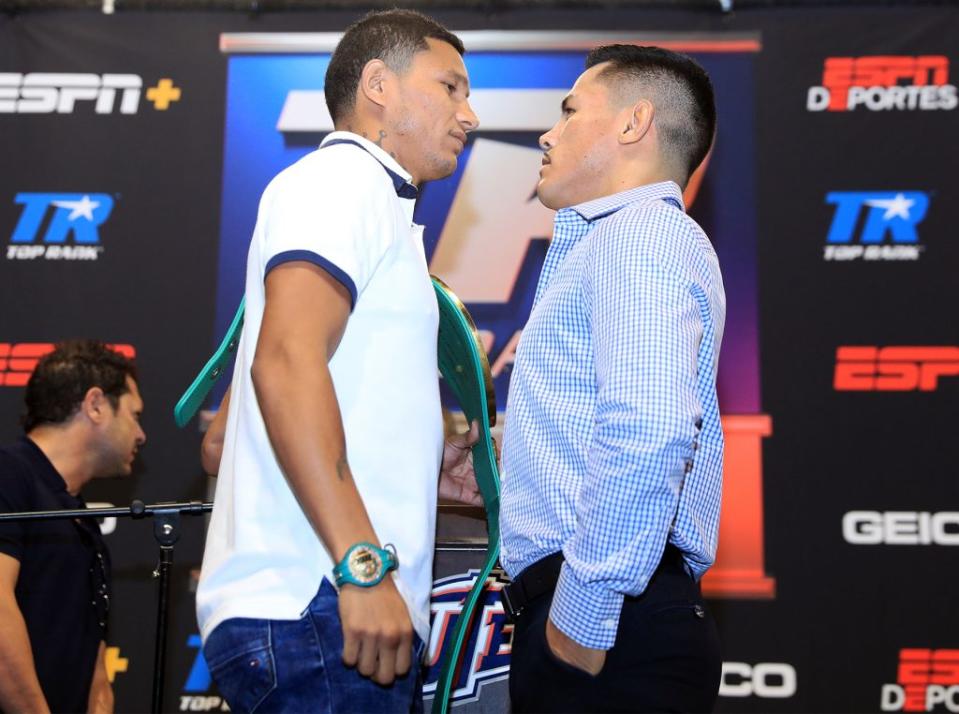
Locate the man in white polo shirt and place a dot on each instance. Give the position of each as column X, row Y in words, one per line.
column 333, row 440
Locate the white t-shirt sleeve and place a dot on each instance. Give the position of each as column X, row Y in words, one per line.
column 333, row 211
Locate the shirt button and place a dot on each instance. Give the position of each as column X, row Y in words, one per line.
column 609, row 624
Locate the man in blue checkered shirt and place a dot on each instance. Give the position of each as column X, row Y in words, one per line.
column 612, row 456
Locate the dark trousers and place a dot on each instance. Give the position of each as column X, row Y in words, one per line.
column 666, row 657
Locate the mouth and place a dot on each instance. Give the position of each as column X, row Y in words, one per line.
column 460, row 137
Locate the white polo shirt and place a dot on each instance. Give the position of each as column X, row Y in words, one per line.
column 343, row 208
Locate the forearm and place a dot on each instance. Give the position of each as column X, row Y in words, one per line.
column 19, row 686
column 101, row 693
column 295, row 392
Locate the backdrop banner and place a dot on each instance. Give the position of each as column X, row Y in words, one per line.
column 135, row 148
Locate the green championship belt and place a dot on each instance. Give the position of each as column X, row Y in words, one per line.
column 193, row 397
column 464, row 365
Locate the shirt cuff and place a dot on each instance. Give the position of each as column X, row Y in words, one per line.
column 588, row 614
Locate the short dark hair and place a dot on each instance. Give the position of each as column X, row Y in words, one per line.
column 681, row 92
column 393, row 36
column 63, row 377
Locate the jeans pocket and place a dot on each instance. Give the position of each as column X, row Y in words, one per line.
column 677, row 612
column 244, row 673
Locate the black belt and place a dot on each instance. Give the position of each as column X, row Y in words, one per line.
column 540, row 579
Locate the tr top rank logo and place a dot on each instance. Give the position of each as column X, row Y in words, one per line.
column 875, row 225
column 884, row 83
column 60, row 93
column 49, row 219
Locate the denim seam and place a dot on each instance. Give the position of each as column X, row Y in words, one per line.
column 272, row 655
column 322, row 650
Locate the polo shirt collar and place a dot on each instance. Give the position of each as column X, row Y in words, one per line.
column 402, row 179
column 599, row 207
column 48, row 474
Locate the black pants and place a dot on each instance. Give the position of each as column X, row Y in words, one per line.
column 666, row 657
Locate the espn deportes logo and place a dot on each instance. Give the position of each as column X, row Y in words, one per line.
column 884, row 83
column 927, row 681
column 76, row 215
column 18, row 359
column 901, row 528
column 888, row 214
column 894, row 369
column 60, row 93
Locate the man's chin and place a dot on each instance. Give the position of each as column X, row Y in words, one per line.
column 549, row 198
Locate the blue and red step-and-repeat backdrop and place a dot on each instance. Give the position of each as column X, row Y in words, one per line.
column 134, row 149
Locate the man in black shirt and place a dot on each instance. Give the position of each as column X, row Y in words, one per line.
column 81, row 422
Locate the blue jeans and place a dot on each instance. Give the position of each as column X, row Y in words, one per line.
column 297, row 666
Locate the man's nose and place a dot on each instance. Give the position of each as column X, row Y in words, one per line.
column 467, row 118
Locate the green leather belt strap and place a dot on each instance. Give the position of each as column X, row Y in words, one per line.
column 193, row 397
column 465, row 368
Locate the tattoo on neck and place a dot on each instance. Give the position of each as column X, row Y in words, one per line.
column 342, row 469
column 379, row 142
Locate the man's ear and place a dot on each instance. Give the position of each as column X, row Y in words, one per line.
column 94, row 405
column 637, row 121
column 373, row 81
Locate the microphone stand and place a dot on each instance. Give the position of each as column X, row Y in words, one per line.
column 166, row 530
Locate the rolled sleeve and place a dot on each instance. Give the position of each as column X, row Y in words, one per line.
column 589, row 614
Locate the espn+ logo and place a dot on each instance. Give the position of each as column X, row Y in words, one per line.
column 927, row 680
column 59, row 93
column 19, row 359
column 884, row 83
column 894, row 369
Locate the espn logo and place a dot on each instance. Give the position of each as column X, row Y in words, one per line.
column 927, row 679
column 894, row 369
column 884, row 83
column 59, row 93
column 19, row 359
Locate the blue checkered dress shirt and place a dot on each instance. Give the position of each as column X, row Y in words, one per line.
column 613, row 444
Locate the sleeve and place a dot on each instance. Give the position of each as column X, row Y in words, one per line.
column 339, row 218
column 14, row 498
column 646, row 329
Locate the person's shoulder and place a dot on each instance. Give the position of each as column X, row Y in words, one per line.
column 332, row 173
column 17, row 478
column 662, row 232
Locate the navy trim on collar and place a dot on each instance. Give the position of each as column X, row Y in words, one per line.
column 404, row 189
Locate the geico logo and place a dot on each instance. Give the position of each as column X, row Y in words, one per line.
column 901, row 528
column 767, row 680
column 875, row 83
column 43, row 93
column 18, row 360
column 894, row 369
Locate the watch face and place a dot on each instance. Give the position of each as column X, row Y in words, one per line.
column 365, row 565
